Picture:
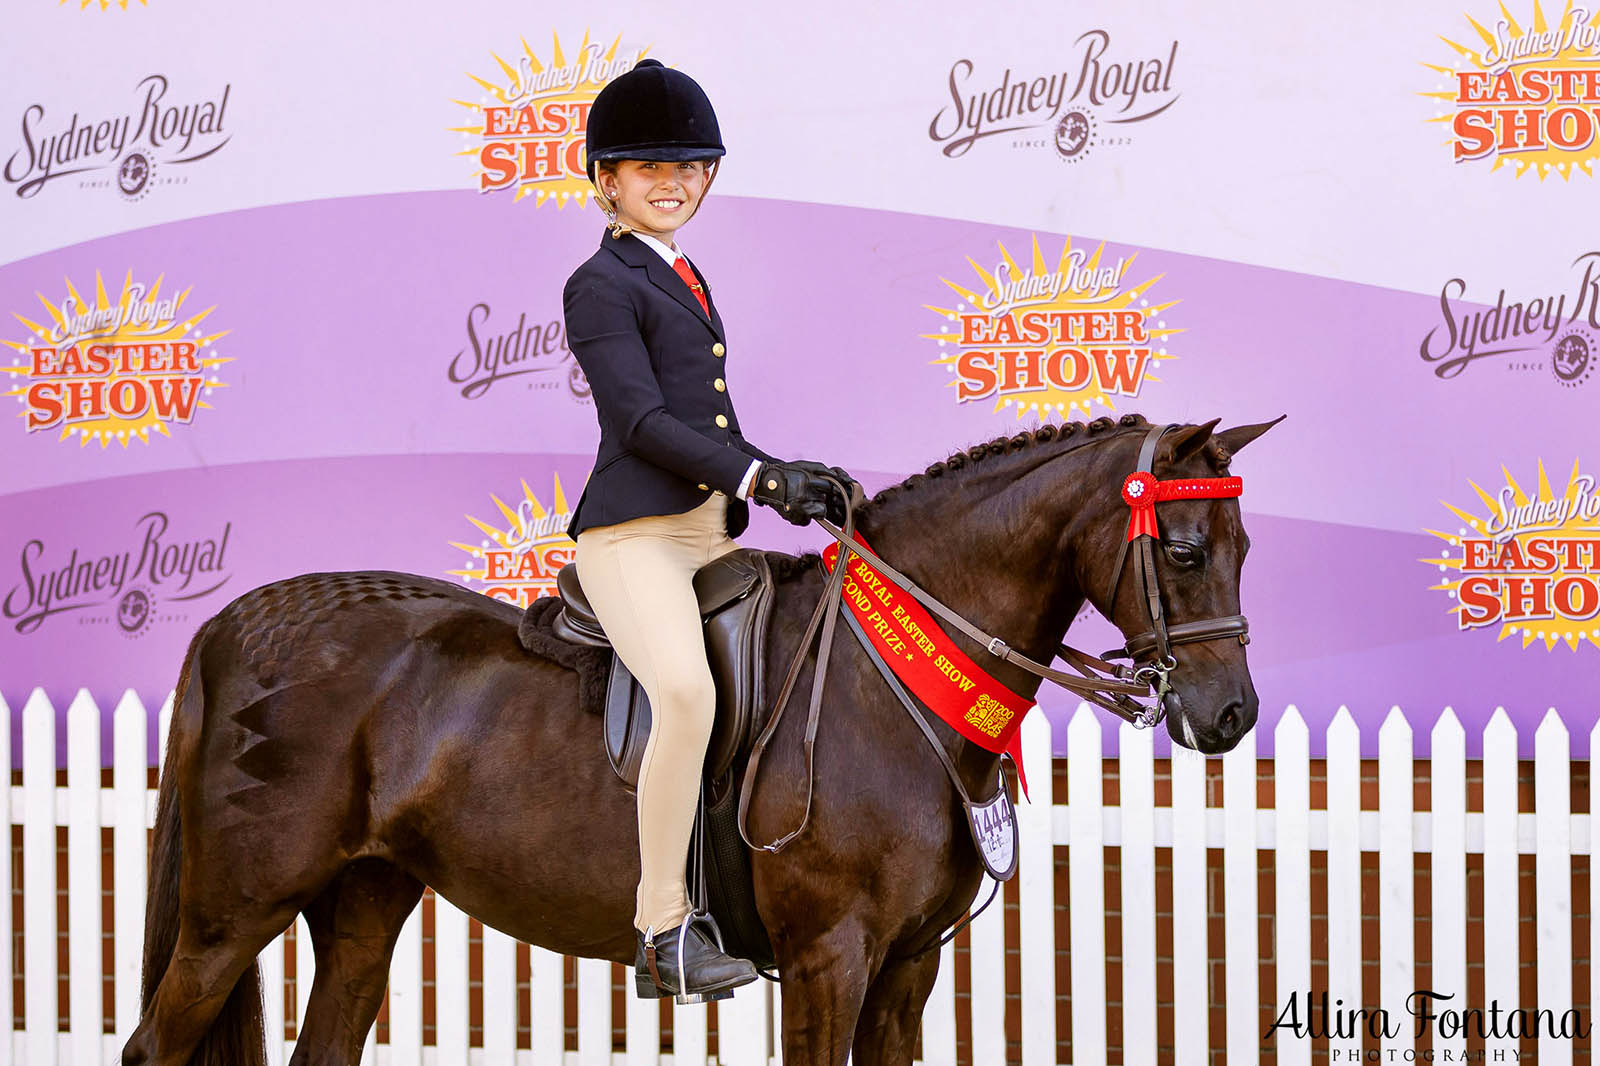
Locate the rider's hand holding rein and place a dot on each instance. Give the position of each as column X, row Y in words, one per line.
column 798, row 494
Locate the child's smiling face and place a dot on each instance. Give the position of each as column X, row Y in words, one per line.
column 655, row 198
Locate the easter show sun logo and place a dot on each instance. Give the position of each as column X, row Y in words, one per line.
column 1524, row 96
column 1052, row 338
column 527, row 125
column 517, row 561
column 1527, row 563
column 113, row 369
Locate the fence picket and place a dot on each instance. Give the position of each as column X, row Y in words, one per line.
column 499, row 996
column 742, row 1027
column 1086, row 889
column 305, row 972
column 405, row 994
column 689, row 1034
column 1291, row 788
column 938, row 1015
column 643, row 1017
column 1190, row 990
column 1344, row 858
column 1239, row 776
column 1035, row 888
column 549, row 1008
column 85, row 1003
column 130, row 843
column 945, row 956
column 988, row 959
column 1136, row 774
column 272, row 1009
column 39, row 877
column 1500, row 880
column 1552, row 807
column 451, row 975
column 594, row 1012
column 1396, row 851
column 1447, row 773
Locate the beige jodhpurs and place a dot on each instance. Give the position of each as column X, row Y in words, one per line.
column 638, row 576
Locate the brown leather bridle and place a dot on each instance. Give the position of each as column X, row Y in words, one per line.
column 1161, row 638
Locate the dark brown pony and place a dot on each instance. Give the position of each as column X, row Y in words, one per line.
column 341, row 740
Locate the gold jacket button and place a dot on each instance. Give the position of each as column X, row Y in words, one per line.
column 718, row 350
column 722, row 421
column 703, row 486
column 720, row 385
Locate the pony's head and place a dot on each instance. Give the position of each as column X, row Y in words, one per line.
column 1188, row 579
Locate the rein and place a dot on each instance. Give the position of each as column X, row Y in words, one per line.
column 1105, row 684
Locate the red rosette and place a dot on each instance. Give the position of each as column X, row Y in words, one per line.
column 1139, row 493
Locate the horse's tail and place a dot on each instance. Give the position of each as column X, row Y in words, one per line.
column 237, row 1036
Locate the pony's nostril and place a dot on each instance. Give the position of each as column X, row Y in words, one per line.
column 1229, row 719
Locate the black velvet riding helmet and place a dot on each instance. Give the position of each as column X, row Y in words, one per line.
column 654, row 113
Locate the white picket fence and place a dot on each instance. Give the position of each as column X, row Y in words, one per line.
column 747, row 1029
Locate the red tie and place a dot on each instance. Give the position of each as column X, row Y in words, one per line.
column 681, row 266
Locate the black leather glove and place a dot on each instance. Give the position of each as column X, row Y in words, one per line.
column 836, row 500
column 796, row 494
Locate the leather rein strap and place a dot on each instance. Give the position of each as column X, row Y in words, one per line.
column 832, row 596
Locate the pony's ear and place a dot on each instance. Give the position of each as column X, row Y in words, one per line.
column 1237, row 437
column 1188, row 441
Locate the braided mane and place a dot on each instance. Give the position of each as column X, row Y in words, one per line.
column 785, row 565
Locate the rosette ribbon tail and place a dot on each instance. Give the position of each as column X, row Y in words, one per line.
column 1139, row 493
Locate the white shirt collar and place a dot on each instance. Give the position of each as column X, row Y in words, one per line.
column 668, row 254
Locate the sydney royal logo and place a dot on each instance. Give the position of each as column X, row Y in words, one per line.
column 130, row 589
column 1095, row 103
column 133, row 151
column 1551, row 334
column 527, row 127
column 534, row 350
column 1052, row 337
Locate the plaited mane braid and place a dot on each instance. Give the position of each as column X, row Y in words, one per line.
column 787, row 566
column 1041, row 434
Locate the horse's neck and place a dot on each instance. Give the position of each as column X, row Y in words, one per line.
column 998, row 563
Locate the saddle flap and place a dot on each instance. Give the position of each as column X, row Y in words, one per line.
column 739, row 586
column 724, row 580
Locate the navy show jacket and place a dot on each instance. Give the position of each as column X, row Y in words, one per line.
column 657, row 368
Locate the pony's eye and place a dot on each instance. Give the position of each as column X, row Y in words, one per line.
column 1185, row 555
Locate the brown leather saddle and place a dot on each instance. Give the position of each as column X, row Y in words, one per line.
column 735, row 594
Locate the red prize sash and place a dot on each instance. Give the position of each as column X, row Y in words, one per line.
column 924, row 657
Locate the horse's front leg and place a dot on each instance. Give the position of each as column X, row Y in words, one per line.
column 824, row 983
column 891, row 1016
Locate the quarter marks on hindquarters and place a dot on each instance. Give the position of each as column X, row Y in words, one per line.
column 274, row 620
column 279, row 628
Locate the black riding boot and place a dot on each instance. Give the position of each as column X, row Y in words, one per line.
column 686, row 963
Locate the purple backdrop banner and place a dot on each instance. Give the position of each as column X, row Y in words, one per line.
column 383, row 382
